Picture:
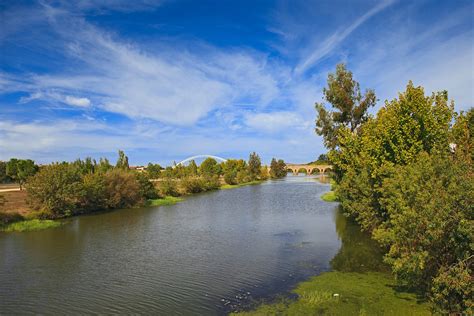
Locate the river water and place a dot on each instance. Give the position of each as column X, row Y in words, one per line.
column 209, row 254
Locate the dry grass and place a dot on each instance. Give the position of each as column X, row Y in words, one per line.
column 15, row 201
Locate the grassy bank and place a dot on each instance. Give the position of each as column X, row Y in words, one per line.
column 233, row 186
column 342, row 293
column 329, row 196
column 30, row 225
column 167, row 200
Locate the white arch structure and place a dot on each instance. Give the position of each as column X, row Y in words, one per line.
column 200, row 156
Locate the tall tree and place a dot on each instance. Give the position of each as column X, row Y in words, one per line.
column 350, row 105
column 254, row 165
column 209, row 167
column 19, row 170
column 122, row 162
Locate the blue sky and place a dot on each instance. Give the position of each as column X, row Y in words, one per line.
column 164, row 80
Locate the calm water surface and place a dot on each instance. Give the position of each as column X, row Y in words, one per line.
column 207, row 255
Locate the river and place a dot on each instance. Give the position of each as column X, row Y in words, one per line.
column 210, row 254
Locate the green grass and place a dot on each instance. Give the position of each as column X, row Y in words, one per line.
column 233, row 186
column 329, row 196
column 342, row 293
column 167, row 200
column 30, row 225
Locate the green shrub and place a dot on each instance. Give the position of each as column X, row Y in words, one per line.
column 168, row 187
column 192, row 185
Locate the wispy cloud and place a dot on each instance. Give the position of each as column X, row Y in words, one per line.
column 320, row 50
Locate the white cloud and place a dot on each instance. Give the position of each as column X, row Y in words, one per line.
column 276, row 121
column 83, row 102
column 169, row 84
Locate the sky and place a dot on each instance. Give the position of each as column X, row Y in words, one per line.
column 164, row 80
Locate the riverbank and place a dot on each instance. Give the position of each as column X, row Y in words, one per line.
column 24, row 222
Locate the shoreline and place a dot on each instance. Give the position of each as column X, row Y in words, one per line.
column 35, row 224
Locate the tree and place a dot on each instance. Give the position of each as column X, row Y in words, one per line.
column 254, row 166
column 323, row 158
column 19, row 170
column 209, row 167
column 122, row 162
column 153, row 170
column 277, row 169
column 55, row 189
column 344, row 94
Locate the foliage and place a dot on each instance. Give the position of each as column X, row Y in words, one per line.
column 254, row 166
column 147, row 189
column 20, row 169
column 277, row 169
column 55, row 188
column 344, row 94
column 209, row 167
column 153, row 170
column 103, row 166
column 122, row 161
column 122, row 189
column 399, row 177
column 168, row 187
column 230, row 169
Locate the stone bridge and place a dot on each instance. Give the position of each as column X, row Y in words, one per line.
column 309, row 168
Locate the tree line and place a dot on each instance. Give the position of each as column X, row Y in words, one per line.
column 83, row 186
column 406, row 175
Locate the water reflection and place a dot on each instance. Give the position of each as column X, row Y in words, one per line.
column 358, row 252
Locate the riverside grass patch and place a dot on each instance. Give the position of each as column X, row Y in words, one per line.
column 233, row 186
column 167, row 200
column 30, row 225
column 329, row 196
column 347, row 293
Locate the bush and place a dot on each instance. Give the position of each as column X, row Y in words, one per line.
column 147, row 189
column 122, row 189
column 55, row 188
column 230, row 177
column 168, row 187
column 192, row 185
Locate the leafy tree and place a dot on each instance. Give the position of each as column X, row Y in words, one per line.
column 323, row 158
column 19, row 170
column 91, row 194
column 209, row 167
column 122, row 162
column 192, row 168
column 153, row 170
column 55, row 189
column 254, row 166
column 147, row 189
column 350, row 105
column 277, row 169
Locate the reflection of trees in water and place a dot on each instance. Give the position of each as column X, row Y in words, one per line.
column 358, row 253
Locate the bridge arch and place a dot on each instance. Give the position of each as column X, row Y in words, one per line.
column 201, row 156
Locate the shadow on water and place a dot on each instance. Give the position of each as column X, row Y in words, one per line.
column 358, row 252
